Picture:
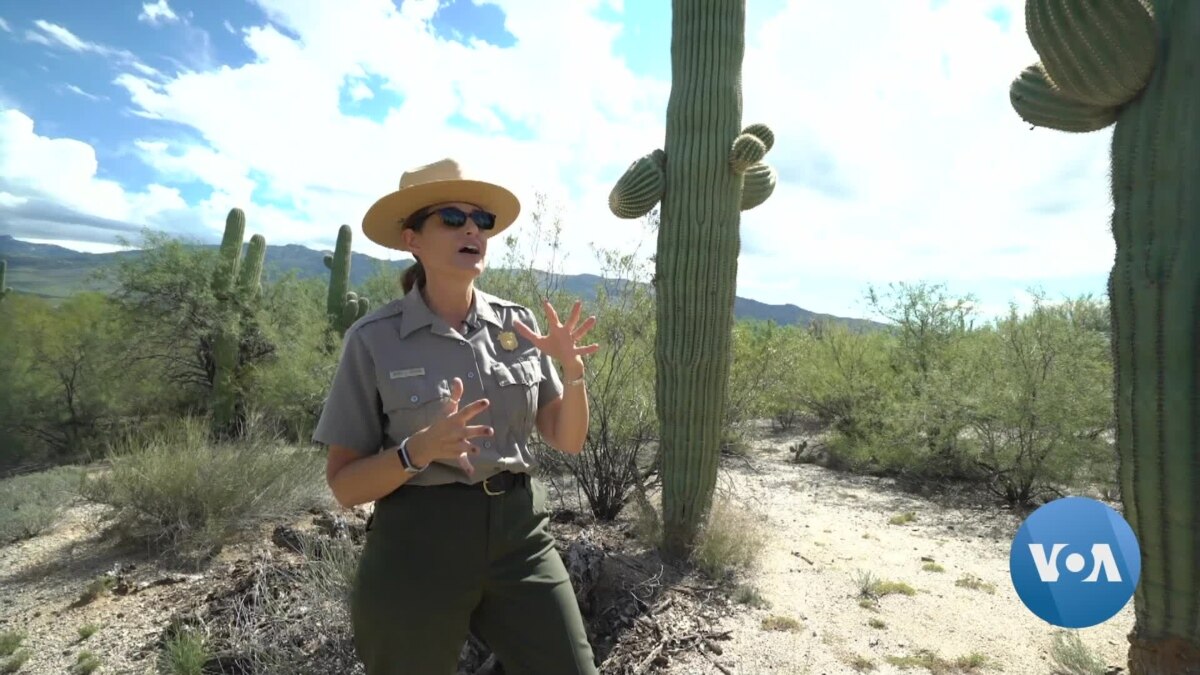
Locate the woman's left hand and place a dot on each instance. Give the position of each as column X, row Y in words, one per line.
column 559, row 340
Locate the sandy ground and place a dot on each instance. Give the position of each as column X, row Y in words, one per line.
column 824, row 527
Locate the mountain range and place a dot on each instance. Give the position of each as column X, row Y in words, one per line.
column 55, row 272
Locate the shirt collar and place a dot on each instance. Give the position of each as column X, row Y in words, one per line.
column 416, row 314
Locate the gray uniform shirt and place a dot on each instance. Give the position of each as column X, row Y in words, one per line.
column 395, row 372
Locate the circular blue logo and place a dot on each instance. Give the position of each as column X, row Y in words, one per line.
column 1075, row 562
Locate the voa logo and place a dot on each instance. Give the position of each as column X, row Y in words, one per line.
column 1075, row 562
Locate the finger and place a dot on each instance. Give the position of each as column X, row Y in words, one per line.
column 551, row 314
column 477, row 430
column 464, row 462
column 574, row 314
column 527, row 332
column 469, row 411
column 456, row 390
column 590, row 349
column 584, row 328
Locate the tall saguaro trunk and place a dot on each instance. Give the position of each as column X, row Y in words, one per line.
column 1137, row 64
column 708, row 173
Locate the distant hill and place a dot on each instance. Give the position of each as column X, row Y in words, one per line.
column 55, row 272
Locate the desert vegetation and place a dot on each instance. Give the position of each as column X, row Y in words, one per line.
column 180, row 405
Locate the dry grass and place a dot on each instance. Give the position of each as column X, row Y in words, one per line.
column 1072, row 657
column 937, row 665
column 731, row 539
column 183, row 493
column 781, row 623
column 976, row 584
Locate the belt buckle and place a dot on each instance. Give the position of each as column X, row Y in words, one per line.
column 488, row 490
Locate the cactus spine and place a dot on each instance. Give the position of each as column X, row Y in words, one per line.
column 709, row 170
column 343, row 306
column 4, row 289
column 1137, row 63
column 237, row 285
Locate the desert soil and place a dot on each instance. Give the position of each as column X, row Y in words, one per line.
column 824, row 527
column 821, row 528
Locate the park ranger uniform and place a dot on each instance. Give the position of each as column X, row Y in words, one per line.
column 446, row 551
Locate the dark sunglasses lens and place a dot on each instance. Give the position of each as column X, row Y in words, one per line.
column 456, row 217
column 452, row 216
column 484, row 220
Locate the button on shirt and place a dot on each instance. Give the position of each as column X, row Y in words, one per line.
column 394, row 378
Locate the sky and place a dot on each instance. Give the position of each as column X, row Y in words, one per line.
column 899, row 157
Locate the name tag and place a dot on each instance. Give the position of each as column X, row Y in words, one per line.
column 408, row 372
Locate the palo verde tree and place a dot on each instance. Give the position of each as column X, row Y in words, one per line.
column 709, row 171
column 1136, row 64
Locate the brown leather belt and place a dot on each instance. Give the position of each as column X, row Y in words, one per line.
column 494, row 485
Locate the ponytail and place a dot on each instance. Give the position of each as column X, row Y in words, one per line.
column 414, row 275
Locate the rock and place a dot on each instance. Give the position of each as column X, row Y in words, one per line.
column 287, row 537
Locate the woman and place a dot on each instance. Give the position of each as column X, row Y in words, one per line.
column 429, row 416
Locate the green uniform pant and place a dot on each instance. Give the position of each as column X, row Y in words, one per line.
column 438, row 561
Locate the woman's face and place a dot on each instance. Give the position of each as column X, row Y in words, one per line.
column 445, row 249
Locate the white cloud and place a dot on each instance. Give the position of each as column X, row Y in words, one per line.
column 4, row 26
column 899, row 154
column 88, row 95
column 157, row 13
column 51, row 185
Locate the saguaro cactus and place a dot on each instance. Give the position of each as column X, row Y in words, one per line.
column 237, row 284
column 343, row 307
column 709, row 171
column 4, row 289
column 1137, row 64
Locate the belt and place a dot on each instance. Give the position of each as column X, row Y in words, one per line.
column 493, row 485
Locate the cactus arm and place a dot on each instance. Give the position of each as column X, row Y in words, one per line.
column 640, row 187
column 230, row 252
column 1038, row 102
column 758, row 183
column 1142, row 61
column 1099, row 53
column 250, row 279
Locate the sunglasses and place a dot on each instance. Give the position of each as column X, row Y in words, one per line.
column 453, row 216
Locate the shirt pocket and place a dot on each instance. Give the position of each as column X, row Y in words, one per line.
column 412, row 403
column 519, row 383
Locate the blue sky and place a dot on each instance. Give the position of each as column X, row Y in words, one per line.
column 898, row 156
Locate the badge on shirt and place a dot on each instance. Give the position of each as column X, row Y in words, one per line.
column 508, row 340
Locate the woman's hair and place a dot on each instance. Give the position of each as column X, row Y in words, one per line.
column 415, row 274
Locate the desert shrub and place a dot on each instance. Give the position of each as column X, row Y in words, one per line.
column 1043, row 422
column 32, row 503
column 183, row 492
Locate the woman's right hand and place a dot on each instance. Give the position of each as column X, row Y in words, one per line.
column 449, row 437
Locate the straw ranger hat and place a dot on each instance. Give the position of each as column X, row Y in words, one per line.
column 441, row 181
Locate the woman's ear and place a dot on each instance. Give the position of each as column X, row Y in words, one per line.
column 408, row 235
